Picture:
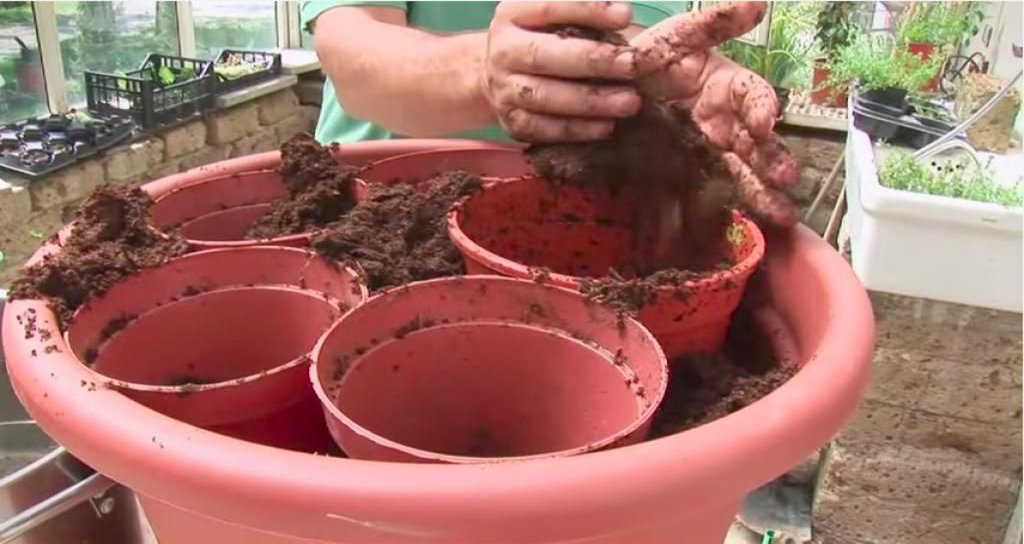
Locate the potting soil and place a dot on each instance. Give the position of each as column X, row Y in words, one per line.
column 111, row 240
column 706, row 387
column 399, row 234
column 320, row 190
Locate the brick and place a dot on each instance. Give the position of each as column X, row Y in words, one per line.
column 310, row 91
column 233, row 124
column 204, row 157
column 15, row 203
column 264, row 141
column 167, row 168
column 277, row 106
column 185, row 139
column 68, row 185
column 867, row 521
column 980, row 393
column 129, row 164
column 993, row 445
column 19, row 240
column 900, row 494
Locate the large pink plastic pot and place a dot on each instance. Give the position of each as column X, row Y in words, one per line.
column 263, row 396
column 516, row 227
column 458, row 369
column 686, row 488
column 489, row 163
column 219, row 211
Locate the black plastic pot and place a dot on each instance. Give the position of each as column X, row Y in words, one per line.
column 892, row 97
column 875, row 125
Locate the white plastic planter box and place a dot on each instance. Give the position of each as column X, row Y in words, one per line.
column 928, row 246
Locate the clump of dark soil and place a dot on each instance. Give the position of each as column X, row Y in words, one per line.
column 320, row 189
column 111, row 240
column 705, row 387
column 399, row 234
column 663, row 158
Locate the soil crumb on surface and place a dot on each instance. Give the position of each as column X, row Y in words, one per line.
column 707, row 386
column 629, row 296
column 399, row 234
column 111, row 240
column 320, row 189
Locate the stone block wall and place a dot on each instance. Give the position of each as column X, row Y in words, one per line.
column 33, row 209
column 934, row 453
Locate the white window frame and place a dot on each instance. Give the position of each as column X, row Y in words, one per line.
column 287, row 24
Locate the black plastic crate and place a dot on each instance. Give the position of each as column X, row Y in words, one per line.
column 151, row 103
column 271, row 63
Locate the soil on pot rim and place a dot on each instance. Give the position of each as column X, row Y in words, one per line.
column 111, row 239
column 708, row 386
column 399, row 233
column 320, row 190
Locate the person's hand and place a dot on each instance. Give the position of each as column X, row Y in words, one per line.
column 542, row 86
column 735, row 108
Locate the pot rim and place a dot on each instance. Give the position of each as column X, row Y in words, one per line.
column 198, row 469
column 286, row 239
column 119, row 384
column 645, row 416
column 505, row 266
column 405, row 156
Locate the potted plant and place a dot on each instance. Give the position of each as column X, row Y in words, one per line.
column 946, row 228
column 926, row 27
column 835, row 29
column 784, row 61
column 883, row 69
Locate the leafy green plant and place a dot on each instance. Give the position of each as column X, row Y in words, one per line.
column 786, row 60
column 835, row 27
column 960, row 179
column 879, row 61
column 940, row 23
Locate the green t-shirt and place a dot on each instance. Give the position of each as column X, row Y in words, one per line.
column 438, row 17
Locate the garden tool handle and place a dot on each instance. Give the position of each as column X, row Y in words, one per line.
column 53, row 506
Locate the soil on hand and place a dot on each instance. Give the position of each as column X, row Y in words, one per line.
column 663, row 158
column 399, row 234
column 111, row 240
column 705, row 387
column 320, row 190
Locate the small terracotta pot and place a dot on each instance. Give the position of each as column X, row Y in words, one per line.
column 218, row 211
column 460, row 369
column 824, row 94
column 517, row 227
column 262, row 400
column 925, row 51
column 490, row 164
column 235, row 361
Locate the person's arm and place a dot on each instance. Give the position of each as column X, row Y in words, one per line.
column 406, row 80
column 536, row 85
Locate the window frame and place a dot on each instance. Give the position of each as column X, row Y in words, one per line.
column 287, row 28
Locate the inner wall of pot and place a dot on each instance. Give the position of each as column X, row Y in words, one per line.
column 224, row 225
column 560, row 228
column 195, row 201
column 488, row 390
column 216, row 336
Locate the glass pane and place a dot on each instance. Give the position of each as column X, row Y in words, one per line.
column 22, row 93
column 237, row 25
column 306, row 38
column 112, row 37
